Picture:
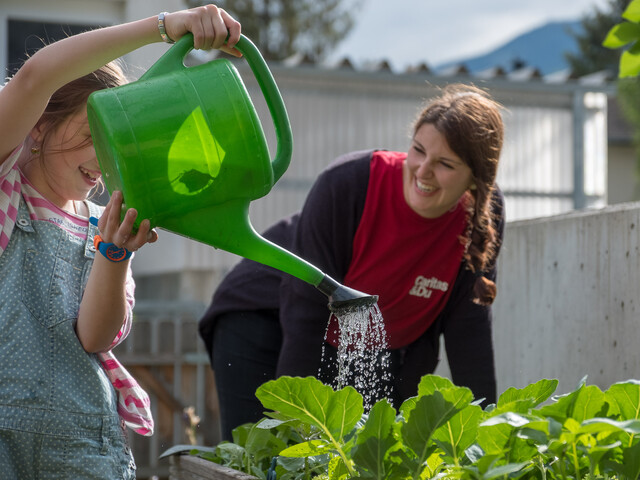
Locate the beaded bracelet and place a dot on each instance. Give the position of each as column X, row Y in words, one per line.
column 163, row 32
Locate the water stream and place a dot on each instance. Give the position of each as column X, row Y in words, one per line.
column 363, row 356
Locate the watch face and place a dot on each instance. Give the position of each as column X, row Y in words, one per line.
column 115, row 254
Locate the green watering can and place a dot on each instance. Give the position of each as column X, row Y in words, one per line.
column 187, row 150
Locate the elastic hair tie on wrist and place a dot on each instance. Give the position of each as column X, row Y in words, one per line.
column 110, row 251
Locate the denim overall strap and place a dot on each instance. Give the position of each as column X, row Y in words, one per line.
column 94, row 211
column 58, row 416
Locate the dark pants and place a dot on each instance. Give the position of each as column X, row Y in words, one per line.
column 245, row 353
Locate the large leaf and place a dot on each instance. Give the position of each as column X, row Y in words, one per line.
column 630, row 467
column 497, row 434
column 630, row 62
column 621, row 34
column 493, row 438
column 514, row 419
column 626, row 396
column 262, row 443
column 184, row 448
column 309, row 400
column 584, row 402
column 632, row 12
column 232, row 455
column 522, row 450
column 433, row 383
column 594, row 426
column 597, row 453
column 337, row 469
column 312, row 448
column 520, row 400
column 460, row 432
column 429, row 384
column 374, row 441
column 378, row 425
column 430, row 413
column 403, row 462
column 588, row 404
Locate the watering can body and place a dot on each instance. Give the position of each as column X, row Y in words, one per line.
column 182, row 138
column 186, row 148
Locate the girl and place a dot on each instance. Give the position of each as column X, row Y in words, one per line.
column 66, row 292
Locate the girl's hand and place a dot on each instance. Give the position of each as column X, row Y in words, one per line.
column 112, row 230
column 210, row 26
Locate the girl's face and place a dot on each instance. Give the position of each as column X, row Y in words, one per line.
column 71, row 168
column 434, row 178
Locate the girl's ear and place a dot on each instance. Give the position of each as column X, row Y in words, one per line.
column 37, row 133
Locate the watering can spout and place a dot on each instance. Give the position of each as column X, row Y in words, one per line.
column 230, row 229
column 342, row 297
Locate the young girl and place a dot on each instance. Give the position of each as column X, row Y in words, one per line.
column 66, row 291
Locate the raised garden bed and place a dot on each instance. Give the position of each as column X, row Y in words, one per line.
column 189, row 467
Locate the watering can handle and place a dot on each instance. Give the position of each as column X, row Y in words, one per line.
column 174, row 58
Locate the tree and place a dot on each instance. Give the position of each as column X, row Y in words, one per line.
column 282, row 28
column 593, row 56
column 627, row 35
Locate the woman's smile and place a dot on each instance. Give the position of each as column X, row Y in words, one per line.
column 424, row 188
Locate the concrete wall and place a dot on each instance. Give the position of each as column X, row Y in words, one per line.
column 567, row 302
column 623, row 181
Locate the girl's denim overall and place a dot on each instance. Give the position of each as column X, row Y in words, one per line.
column 58, row 416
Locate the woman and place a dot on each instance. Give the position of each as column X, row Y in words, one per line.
column 420, row 229
column 66, row 291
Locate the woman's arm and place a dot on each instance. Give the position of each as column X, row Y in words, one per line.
column 467, row 327
column 24, row 98
column 468, row 339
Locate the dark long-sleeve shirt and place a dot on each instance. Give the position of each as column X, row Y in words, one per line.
column 323, row 234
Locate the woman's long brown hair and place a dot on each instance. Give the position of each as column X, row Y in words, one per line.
column 472, row 125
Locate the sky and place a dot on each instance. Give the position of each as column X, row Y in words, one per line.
column 410, row 32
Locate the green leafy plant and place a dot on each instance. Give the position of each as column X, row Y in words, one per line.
column 442, row 433
column 626, row 35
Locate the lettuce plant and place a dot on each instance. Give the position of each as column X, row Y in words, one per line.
column 315, row 432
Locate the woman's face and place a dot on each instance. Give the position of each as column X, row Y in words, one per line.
column 71, row 166
column 434, row 178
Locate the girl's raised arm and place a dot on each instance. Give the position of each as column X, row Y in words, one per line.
column 25, row 96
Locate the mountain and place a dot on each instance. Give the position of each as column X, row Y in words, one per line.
column 543, row 47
